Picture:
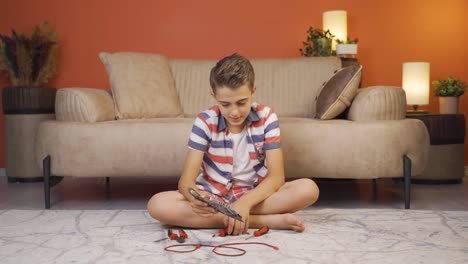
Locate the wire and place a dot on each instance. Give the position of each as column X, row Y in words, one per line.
column 217, row 247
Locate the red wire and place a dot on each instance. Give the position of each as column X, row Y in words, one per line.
column 216, row 247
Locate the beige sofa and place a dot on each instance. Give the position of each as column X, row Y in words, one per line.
column 103, row 134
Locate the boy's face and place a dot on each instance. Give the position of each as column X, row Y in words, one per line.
column 234, row 105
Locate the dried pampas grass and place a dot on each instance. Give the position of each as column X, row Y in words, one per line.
column 29, row 61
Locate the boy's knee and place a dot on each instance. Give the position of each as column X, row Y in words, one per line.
column 156, row 206
column 309, row 190
column 315, row 191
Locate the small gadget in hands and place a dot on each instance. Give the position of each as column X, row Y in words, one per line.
column 221, row 207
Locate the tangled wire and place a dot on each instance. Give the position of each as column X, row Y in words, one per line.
column 216, row 248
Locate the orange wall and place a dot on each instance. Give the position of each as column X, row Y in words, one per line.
column 390, row 33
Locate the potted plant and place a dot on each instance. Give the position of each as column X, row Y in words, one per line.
column 318, row 43
column 29, row 62
column 448, row 90
column 347, row 47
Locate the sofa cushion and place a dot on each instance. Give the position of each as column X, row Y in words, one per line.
column 341, row 148
column 287, row 85
column 313, row 148
column 142, row 85
column 338, row 92
column 153, row 147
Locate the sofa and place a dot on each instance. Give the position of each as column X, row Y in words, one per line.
column 141, row 127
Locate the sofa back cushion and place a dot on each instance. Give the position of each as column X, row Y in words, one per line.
column 142, row 85
column 290, row 86
column 192, row 81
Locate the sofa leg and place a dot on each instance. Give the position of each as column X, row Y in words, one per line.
column 49, row 181
column 108, row 193
column 374, row 189
column 46, row 173
column 407, row 176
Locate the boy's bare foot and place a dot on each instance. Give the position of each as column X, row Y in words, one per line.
column 278, row 221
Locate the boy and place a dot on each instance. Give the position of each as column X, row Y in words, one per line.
column 236, row 143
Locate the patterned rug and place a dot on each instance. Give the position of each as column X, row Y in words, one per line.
column 331, row 236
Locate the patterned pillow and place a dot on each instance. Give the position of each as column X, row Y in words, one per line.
column 338, row 92
column 142, row 85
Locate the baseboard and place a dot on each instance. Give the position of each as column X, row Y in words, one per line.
column 2, row 172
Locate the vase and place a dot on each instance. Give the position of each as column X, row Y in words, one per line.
column 448, row 105
column 346, row 50
column 24, row 108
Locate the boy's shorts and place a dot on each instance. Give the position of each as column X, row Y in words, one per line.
column 233, row 195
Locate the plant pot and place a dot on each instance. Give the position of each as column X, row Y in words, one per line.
column 322, row 46
column 24, row 109
column 346, row 49
column 448, row 105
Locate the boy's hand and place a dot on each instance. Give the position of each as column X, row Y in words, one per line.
column 200, row 207
column 235, row 227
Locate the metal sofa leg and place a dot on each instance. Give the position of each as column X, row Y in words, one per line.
column 108, row 192
column 407, row 176
column 46, row 173
column 49, row 181
column 374, row 189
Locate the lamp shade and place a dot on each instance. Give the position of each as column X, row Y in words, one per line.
column 416, row 82
column 336, row 22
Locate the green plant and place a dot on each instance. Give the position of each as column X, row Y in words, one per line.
column 449, row 87
column 29, row 60
column 318, row 43
column 348, row 41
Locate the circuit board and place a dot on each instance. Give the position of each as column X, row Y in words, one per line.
column 221, row 207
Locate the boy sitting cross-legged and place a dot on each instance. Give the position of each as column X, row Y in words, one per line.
column 236, row 143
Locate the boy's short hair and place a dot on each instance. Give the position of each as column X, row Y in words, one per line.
column 232, row 71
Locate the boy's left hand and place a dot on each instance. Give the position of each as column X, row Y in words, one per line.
column 235, row 227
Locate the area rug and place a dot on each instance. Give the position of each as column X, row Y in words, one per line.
column 331, row 236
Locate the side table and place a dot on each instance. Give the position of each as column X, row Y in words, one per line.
column 446, row 152
column 345, row 62
column 24, row 108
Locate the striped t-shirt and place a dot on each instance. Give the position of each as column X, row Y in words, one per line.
column 211, row 136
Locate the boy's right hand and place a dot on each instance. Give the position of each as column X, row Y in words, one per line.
column 200, row 207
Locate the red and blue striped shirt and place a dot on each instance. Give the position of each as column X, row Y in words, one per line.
column 211, row 136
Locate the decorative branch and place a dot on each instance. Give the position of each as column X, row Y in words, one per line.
column 29, row 61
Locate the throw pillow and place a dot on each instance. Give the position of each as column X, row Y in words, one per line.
column 338, row 92
column 142, row 85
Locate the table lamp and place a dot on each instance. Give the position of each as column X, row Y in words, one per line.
column 416, row 85
column 336, row 22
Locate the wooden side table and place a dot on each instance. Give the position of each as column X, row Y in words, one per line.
column 446, row 153
column 345, row 62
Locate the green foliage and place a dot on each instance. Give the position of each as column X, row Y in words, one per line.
column 449, row 87
column 318, row 43
column 348, row 41
column 29, row 60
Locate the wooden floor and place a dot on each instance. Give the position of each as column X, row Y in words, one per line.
column 129, row 193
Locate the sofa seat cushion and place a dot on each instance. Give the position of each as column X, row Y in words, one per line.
column 348, row 149
column 157, row 147
column 127, row 148
column 142, row 85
